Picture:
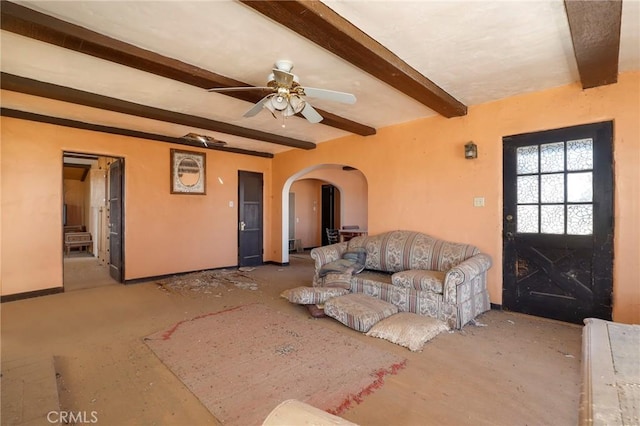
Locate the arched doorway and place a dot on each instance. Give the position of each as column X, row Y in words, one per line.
column 351, row 204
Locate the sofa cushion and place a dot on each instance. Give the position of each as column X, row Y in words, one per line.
column 419, row 280
column 312, row 295
column 358, row 311
column 397, row 251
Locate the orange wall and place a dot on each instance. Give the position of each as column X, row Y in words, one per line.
column 164, row 233
column 353, row 193
column 416, row 175
column 418, row 178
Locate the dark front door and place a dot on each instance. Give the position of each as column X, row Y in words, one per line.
column 116, row 258
column 249, row 219
column 328, row 218
column 558, row 223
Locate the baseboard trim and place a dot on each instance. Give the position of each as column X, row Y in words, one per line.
column 496, row 307
column 31, row 294
column 177, row 274
column 272, row 262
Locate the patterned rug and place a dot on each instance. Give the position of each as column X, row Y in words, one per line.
column 241, row 363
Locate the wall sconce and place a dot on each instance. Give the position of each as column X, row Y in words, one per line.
column 470, row 151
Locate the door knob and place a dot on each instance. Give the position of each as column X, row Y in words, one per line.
column 509, row 218
column 242, row 225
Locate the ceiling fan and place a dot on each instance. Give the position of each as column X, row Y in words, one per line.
column 287, row 95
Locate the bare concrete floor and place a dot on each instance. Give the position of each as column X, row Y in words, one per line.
column 513, row 370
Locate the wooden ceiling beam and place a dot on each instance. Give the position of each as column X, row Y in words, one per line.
column 30, row 23
column 40, row 118
column 320, row 24
column 28, row 86
column 595, row 32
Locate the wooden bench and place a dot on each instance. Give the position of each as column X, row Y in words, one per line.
column 610, row 374
column 81, row 240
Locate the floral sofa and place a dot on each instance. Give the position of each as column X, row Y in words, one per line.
column 416, row 272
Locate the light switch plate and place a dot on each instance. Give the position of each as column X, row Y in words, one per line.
column 478, row 202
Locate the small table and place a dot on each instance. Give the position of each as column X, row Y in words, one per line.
column 347, row 234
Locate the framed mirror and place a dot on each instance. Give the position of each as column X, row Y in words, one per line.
column 188, row 172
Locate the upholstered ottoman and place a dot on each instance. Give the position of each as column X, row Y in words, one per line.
column 359, row 311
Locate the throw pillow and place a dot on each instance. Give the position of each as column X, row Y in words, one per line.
column 340, row 266
column 359, row 256
column 408, row 329
column 312, row 295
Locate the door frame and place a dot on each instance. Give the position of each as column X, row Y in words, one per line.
column 603, row 205
column 122, row 217
column 105, row 226
column 241, row 215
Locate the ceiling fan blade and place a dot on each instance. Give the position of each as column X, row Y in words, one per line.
column 257, row 107
column 331, row 95
column 283, row 78
column 311, row 114
column 237, row 89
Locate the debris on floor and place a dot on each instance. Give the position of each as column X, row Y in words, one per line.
column 210, row 282
column 477, row 323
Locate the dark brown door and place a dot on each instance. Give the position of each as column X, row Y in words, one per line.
column 250, row 248
column 116, row 190
column 558, row 223
column 328, row 217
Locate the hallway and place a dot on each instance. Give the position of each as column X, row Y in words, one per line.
column 83, row 272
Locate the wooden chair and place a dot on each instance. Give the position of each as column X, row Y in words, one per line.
column 332, row 236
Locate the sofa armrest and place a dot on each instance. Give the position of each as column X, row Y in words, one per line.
column 325, row 254
column 463, row 273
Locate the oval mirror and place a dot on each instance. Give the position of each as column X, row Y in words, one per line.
column 188, row 172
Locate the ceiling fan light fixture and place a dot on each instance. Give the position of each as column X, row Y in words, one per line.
column 287, row 95
column 288, row 111
column 296, row 103
column 279, row 102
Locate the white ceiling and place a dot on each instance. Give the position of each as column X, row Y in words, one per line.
column 478, row 51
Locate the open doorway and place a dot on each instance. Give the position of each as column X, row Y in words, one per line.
column 86, row 212
column 303, row 210
column 330, row 218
